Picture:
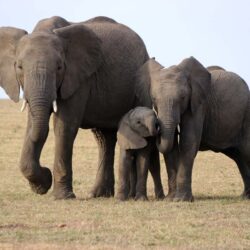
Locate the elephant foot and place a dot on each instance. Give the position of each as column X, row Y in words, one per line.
column 64, row 195
column 183, row 197
column 42, row 184
column 159, row 195
column 170, row 196
column 141, row 197
column 132, row 193
column 246, row 194
column 63, row 192
column 121, row 196
column 101, row 191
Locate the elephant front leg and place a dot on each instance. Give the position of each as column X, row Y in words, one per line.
column 171, row 161
column 142, row 166
column 125, row 167
column 155, row 171
column 133, row 180
column 184, row 179
column 64, row 139
column 104, row 185
column 189, row 144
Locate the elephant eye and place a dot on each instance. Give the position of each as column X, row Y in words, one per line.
column 138, row 122
column 19, row 66
column 59, row 68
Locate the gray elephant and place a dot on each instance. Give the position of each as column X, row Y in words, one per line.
column 211, row 106
column 138, row 154
column 83, row 72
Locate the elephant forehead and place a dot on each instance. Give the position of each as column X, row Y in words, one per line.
column 141, row 112
column 170, row 89
column 40, row 40
column 172, row 75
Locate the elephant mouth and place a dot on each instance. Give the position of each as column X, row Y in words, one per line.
column 25, row 103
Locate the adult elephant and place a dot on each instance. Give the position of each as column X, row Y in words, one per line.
column 83, row 72
column 211, row 106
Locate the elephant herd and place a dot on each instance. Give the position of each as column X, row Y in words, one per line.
column 97, row 75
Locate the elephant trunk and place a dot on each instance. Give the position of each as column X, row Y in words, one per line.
column 165, row 140
column 41, row 94
column 40, row 113
column 40, row 98
column 169, row 118
column 153, row 126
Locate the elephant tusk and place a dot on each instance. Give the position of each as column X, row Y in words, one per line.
column 54, row 106
column 154, row 110
column 178, row 128
column 23, row 105
column 178, row 133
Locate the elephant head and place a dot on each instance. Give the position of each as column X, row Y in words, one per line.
column 135, row 126
column 49, row 64
column 174, row 91
column 214, row 67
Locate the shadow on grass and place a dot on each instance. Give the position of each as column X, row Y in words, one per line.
column 218, row 197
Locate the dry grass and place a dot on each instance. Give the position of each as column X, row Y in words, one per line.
column 218, row 219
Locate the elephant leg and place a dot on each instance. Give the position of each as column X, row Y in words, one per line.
column 243, row 162
column 104, row 184
column 189, row 144
column 245, row 156
column 133, row 180
column 171, row 161
column 64, row 139
column 40, row 178
column 155, row 171
column 125, row 167
column 244, row 168
column 142, row 166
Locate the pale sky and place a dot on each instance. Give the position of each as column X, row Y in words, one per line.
column 216, row 32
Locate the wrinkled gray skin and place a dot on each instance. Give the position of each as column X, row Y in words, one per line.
column 89, row 69
column 138, row 154
column 211, row 106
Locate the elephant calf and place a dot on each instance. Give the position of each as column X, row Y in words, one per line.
column 138, row 154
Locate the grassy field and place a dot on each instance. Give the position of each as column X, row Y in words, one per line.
column 218, row 219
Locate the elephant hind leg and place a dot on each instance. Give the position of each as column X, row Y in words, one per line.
column 104, row 184
column 243, row 162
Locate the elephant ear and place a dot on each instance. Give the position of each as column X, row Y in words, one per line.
column 9, row 38
column 200, row 81
column 83, row 56
column 128, row 138
column 147, row 74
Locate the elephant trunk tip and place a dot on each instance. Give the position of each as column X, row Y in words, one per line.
column 164, row 146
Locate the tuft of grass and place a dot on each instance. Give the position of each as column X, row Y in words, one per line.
column 218, row 219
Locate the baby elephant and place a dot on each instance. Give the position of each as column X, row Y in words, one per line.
column 138, row 154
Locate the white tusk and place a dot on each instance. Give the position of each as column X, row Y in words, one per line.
column 178, row 134
column 154, row 110
column 23, row 105
column 54, row 106
column 178, row 128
